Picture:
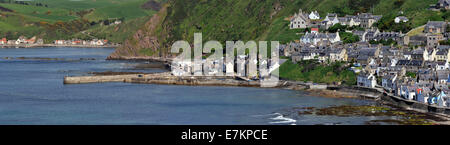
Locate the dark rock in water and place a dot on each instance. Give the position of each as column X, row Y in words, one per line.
column 87, row 58
column 402, row 117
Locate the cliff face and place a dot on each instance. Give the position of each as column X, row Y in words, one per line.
column 144, row 42
column 216, row 20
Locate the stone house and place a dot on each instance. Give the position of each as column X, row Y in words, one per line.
column 435, row 27
column 366, row 54
column 300, row 20
column 441, row 54
column 420, row 54
column 396, row 36
column 389, row 82
column 370, row 34
column 338, row 55
column 417, row 40
column 367, row 19
column 433, row 40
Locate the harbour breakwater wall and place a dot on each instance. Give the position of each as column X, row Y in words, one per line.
column 99, row 79
column 163, row 78
column 362, row 92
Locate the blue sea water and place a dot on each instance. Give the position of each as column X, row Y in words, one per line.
column 32, row 92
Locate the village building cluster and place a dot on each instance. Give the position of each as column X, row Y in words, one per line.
column 241, row 66
column 93, row 42
column 313, row 20
column 442, row 4
column 416, row 68
column 21, row 40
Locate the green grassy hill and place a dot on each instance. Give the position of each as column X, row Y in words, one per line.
column 66, row 19
column 265, row 20
column 217, row 19
column 227, row 20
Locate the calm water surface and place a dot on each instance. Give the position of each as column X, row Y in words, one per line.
column 32, row 92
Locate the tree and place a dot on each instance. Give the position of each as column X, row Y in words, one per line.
column 348, row 37
column 337, row 27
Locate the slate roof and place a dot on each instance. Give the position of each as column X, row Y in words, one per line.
column 410, row 62
column 435, row 24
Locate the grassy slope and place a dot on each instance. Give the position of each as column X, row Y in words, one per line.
column 130, row 10
column 309, row 71
column 125, row 30
column 257, row 20
column 56, row 14
column 24, row 19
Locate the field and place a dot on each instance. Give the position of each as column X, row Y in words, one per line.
column 52, row 19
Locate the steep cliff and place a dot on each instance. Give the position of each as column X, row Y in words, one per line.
column 144, row 43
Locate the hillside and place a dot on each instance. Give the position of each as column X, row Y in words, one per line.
column 217, row 20
column 66, row 19
column 259, row 20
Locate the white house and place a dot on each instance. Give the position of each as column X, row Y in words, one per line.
column 408, row 92
column 330, row 20
column 400, row 19
column 59, row 42
column 366, row 80
column 182, row 68
column 388, row 82
column 99, row 42
column 314, row 15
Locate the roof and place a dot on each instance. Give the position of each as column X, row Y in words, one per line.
column 434, row 24
column 410, row 62
column 441, row 52
column 403, row 18
column 368, row 51
column 444, row 2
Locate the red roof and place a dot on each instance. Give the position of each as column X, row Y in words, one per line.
column 315, row 29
